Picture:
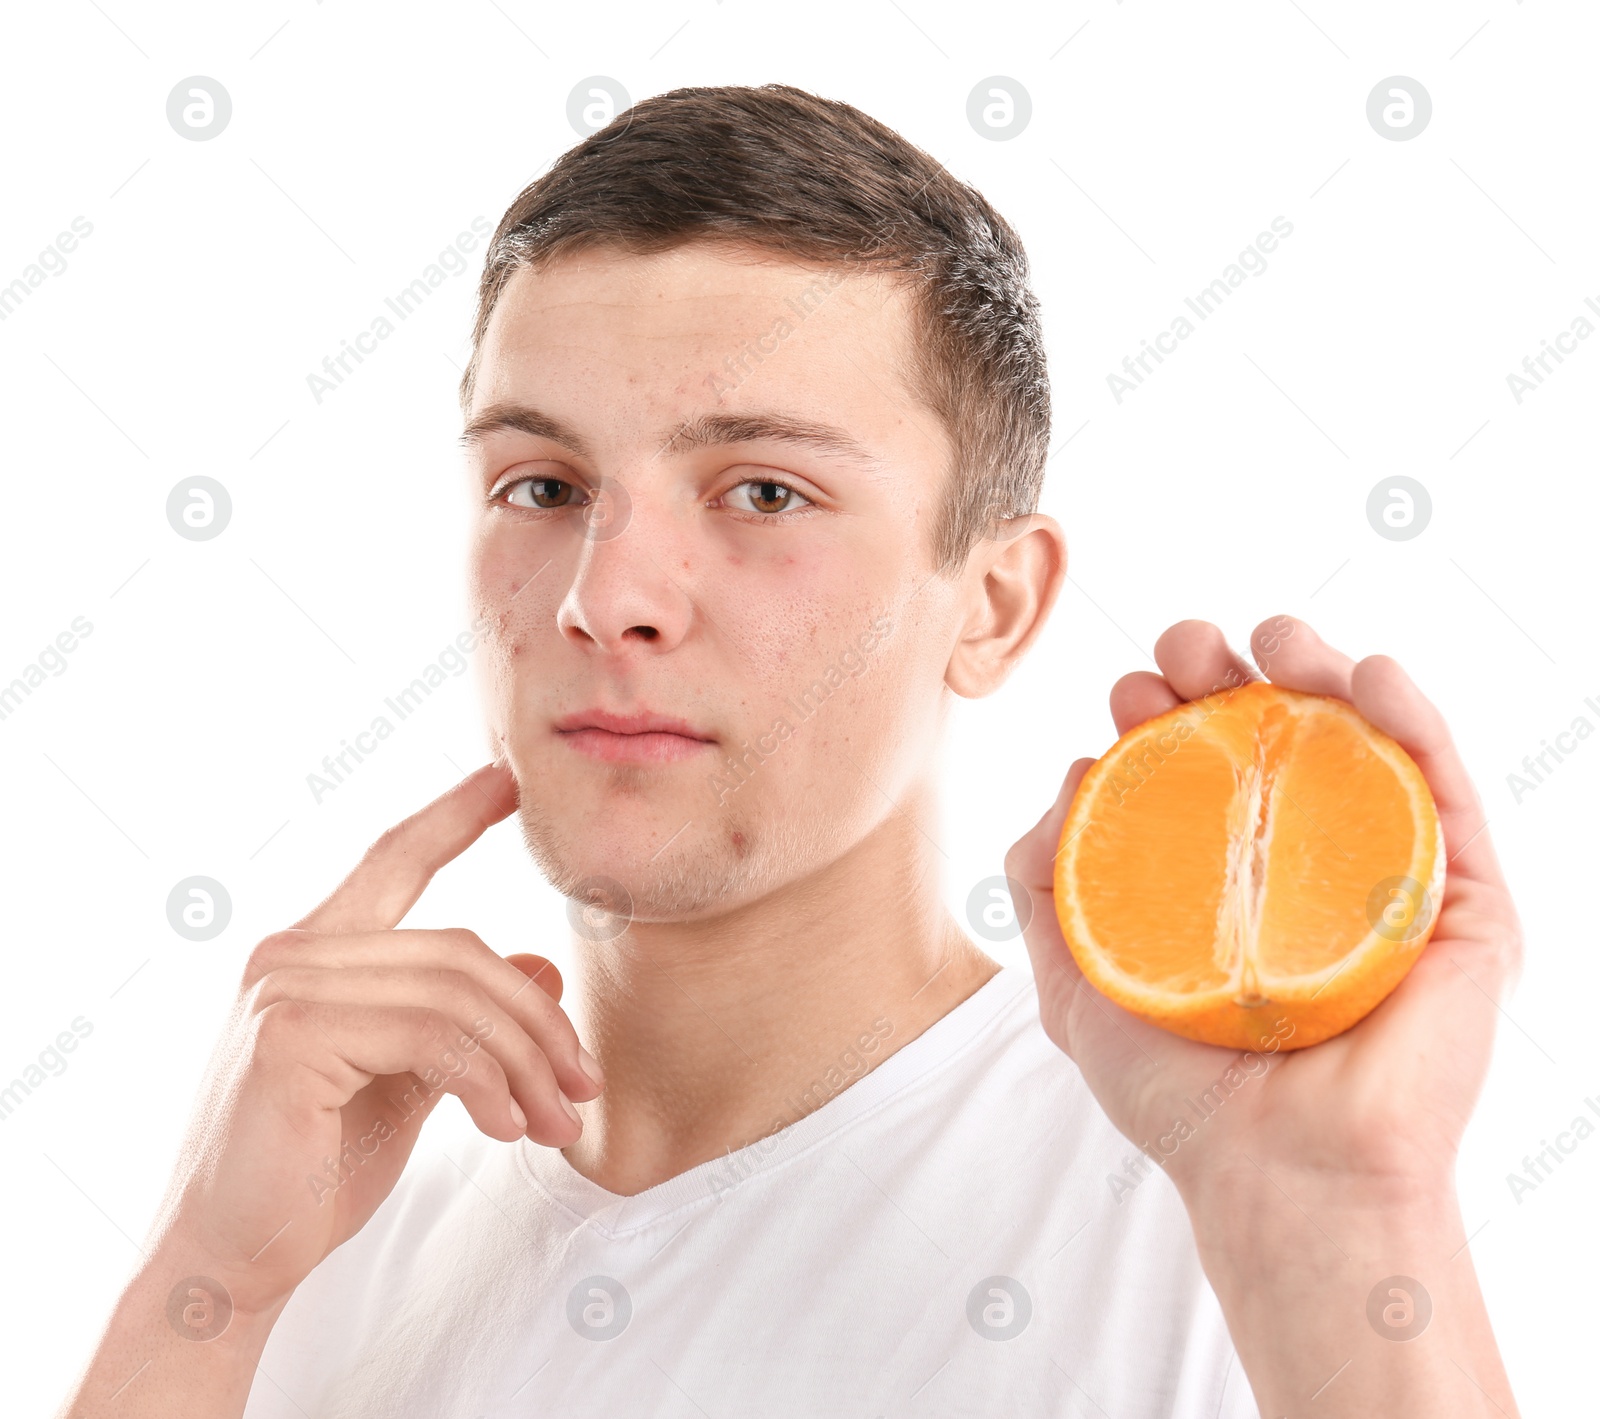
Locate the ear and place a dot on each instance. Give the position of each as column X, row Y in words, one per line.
column 1009, row 585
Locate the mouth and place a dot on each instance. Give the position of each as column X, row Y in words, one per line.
column 631, row 738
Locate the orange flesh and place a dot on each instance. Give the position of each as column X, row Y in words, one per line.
column 1229, row 849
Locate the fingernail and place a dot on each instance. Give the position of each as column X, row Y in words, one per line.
column 586, row 1062
column 518, row 1117
column 572, row 1113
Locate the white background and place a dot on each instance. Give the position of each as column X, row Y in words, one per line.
column 1232, row 485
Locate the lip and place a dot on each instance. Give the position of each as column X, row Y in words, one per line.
column 642, row 738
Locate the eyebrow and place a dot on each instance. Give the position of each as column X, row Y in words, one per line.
column 702, row 431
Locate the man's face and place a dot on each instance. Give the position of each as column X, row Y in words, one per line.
column 654, row 554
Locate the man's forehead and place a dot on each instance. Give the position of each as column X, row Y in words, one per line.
column 706, row 277
column 773, row 350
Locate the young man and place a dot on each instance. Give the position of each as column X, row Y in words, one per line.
column 756, row 418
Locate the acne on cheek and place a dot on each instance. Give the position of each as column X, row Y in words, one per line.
column 508, row 640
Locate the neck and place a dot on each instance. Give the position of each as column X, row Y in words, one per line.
column 718, row 1032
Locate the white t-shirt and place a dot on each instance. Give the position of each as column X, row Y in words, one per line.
column 941, row 1237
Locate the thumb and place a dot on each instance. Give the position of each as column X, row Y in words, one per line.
column 1032, row 859
column 541, row 972
column 1030, row 867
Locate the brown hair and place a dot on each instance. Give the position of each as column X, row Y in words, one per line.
column 819, row 181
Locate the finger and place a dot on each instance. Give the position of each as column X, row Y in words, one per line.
column 1139, row 696
column 453, row 948
column 1197, row 660
column 480, row 1023
column 1386, row 697
column 1296, row 657
column 399, row 865
column 354, row 1044
column 541, row 972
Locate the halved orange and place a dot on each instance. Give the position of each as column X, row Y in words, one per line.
column 1258, row 868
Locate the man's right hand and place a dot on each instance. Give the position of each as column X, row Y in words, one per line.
column 345, row 1034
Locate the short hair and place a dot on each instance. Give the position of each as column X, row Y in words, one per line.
column 819, row 181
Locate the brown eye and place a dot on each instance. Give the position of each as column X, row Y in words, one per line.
column 539, row 493
column 759, row 496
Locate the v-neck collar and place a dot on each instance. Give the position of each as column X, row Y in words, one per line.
column 616, row 1216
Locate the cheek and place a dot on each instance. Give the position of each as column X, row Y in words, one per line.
column 509, row 647
column 510, row 593
column 838, row 698
column 504, row 556
column 489, row 585
column 797, row 615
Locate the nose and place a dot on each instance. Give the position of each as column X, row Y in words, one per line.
column 621, row 593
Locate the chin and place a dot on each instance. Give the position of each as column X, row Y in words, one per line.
column 696, row 868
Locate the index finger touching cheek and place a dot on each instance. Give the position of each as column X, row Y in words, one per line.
column 399, row 865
